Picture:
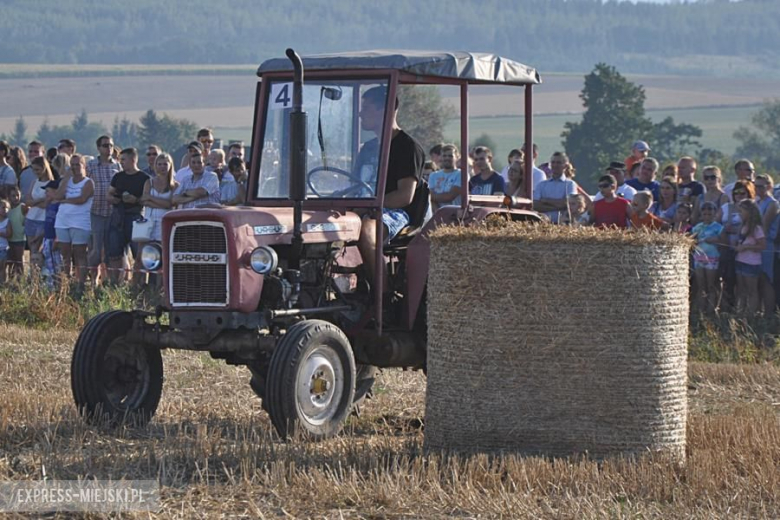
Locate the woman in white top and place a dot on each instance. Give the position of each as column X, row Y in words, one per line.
column 36, row 202
column 158, row 192
column 73, row 225
column 729, row 217
column 515, row 187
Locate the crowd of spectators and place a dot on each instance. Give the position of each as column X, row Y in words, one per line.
column 734, row 266
column 75, row 213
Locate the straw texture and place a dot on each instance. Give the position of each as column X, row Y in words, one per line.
column 556, row 340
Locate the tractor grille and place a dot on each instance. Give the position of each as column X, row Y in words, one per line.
column 198, row 279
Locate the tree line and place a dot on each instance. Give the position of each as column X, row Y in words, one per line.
column 715, row 36
column 613, row 119
column 168, row 132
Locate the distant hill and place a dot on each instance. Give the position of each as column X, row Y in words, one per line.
column 715, row 37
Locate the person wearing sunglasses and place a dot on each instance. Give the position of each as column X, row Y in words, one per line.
column 610, row 211
column 713, row 193
column 618, row 171
column 768, row 208
column 730, row 218
column 206, row 139
column 152, row 151
column 101, row 170
column 744, row 171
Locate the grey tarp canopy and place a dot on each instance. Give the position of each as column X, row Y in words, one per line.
column 475, row 67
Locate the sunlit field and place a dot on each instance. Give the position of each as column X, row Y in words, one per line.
column 717, row 124
column 213, row 451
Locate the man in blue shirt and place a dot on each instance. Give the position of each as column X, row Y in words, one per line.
column 552, row 195
column 486, row 181
column 645, row 180
column 445, row 184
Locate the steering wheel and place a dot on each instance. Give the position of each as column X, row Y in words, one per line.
column 357, row 182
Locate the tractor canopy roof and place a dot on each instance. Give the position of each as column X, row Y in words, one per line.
column 474, row 67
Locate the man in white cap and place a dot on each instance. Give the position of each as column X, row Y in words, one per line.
column 639, row 151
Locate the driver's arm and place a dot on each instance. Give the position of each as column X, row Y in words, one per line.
column 403, row 195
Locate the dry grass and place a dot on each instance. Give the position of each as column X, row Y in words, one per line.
column 212, row 449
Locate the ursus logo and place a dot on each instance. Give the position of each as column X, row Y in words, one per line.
column 198, row 258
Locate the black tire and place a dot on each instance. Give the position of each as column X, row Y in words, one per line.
column 257, row 383
column 113, row 380
column 312, row 355
column 365, row 378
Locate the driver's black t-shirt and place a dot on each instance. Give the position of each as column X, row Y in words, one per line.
column 406, row 160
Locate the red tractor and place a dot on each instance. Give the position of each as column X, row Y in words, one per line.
column 277, row 285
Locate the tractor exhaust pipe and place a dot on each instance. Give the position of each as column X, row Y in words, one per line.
column 298, row 149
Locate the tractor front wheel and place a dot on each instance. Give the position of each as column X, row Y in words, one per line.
column 310, row 384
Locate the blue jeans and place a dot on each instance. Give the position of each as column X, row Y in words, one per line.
column 395, row 220
column 120, row 234
column 98, row 240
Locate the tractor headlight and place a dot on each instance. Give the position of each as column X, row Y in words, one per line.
column 263, row 260
column 151, row 257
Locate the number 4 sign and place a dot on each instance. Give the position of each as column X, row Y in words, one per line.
column 281, row 96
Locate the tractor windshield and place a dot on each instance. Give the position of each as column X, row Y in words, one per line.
column 343, row 138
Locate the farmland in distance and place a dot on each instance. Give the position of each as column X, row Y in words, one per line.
column 222, row 98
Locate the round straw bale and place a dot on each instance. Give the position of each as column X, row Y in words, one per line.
column 557, row 340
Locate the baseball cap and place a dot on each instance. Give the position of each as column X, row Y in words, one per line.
column 641, row 146
column 616, row 165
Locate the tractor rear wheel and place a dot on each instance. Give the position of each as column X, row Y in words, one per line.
column 113, row 379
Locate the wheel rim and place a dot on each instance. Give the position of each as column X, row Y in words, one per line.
column 125, row 375
column 320, row 385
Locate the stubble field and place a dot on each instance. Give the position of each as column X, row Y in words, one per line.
column 212, row 449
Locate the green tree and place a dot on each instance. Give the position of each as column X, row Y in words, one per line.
column 165, row 131
column 80, row 121
column 124, row 132
column 19, row 136
column 672, row 141
column 762, row 141
column 81, row 130
column 614, row 118
column 486, row 140
column 50, row 135
column 422, row 113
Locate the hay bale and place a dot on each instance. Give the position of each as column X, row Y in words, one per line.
column 556, row 340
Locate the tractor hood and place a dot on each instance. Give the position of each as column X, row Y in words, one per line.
column 272, row 226
column 233, row 285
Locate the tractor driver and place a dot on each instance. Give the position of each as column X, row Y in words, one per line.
column 404, row 171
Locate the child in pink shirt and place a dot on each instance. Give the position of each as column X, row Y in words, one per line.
column 751, row 243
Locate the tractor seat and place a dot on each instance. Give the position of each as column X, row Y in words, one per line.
column 417, row 210
column 401, row 240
